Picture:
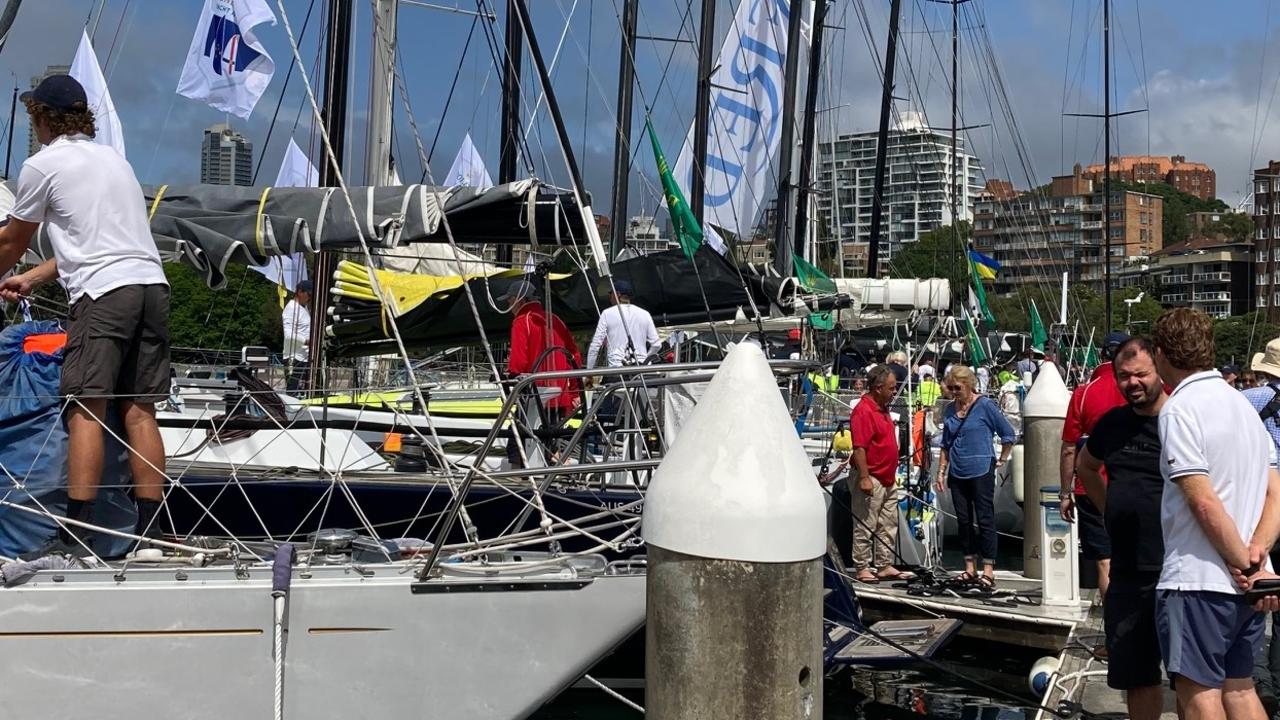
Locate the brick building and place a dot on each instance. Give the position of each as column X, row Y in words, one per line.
column 1192, row 178
column 1037, row 237
column 1211, row 274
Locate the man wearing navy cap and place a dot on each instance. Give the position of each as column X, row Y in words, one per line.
column 95, row 217
column 296, row 321
column 625, row 330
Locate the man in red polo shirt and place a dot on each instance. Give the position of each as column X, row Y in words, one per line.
column 1089, row 402
column 875, row 468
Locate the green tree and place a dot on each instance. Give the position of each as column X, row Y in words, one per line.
column 245, row 312
column 1236, row 339
column 1237, row 226
column 936, row 254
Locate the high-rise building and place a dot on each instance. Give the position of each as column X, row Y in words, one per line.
column 1266, row 238
column 1192, row 178
column 226, row 157
column 1037, row 237
column 918, row 182
column 33, row 145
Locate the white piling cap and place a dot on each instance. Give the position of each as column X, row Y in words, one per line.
column 1048, row 397
column 736, row 483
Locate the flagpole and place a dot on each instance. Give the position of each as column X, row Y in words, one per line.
column 510, row 144
column 807, row 149
column 702, row 111
column 622, row 144
column 13, row 111
column 782, row 249
column 882, row 144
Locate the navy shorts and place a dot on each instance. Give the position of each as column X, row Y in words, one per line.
column 1094, row 540
column 1207, row 637
column 1129, row 614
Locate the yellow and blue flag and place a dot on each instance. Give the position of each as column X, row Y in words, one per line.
column 984, row 266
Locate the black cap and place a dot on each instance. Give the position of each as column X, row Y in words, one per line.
column 60, row 92
column 622, row 287
column 1230, row 370
column 1116, row 339
column 305, row 286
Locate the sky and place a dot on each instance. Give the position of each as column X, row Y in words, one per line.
column 1205, row 76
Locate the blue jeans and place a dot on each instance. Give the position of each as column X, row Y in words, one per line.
column 975, row 503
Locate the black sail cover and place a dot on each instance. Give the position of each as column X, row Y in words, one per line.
column 664, row 283
column 209, row 226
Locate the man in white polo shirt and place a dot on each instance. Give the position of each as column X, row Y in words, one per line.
column 1220, row 512
column 93, row 210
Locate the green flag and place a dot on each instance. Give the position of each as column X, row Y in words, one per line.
column 822, row 321
column 1038, row 335
column 976, row 353
column 685, row 226
column 810, row 277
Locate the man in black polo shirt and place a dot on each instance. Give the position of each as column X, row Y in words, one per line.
column 1127, row 441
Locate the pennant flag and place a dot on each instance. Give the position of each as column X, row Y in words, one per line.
column 978, row 295
column 287, row 271
column 468, row 168
column 227, row 66
column 976, row 354
column 683, row 224
column 744, row 127
column 984, row 266
column 85, row 69
column 1038, row 335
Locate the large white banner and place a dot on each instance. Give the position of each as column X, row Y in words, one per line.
column 86, row 70
column 746, row 118
column 227, row 67
column 468, row 167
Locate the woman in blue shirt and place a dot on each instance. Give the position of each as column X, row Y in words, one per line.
column 968, row 465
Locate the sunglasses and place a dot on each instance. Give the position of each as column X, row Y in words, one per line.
column 953, row 388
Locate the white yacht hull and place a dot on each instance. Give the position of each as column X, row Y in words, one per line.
column 79, row 643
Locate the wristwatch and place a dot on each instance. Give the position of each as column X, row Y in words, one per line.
column 1064, row 495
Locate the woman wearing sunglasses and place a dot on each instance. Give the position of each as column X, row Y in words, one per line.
column 968, row 466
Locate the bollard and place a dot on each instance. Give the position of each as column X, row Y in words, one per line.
column 1043, row 413
column 736, row 529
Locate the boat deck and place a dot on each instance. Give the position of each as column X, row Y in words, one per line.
column 1013, row 615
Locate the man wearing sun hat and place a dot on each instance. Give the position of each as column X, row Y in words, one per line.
column 1266, row 400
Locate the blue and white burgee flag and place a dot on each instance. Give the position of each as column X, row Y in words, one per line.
column 296, row 170
column 86, row 70
column 24, row 306
column 227, row 66
column 745, row 123
column 468, row 168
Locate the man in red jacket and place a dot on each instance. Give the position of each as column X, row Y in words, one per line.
column 540, row 342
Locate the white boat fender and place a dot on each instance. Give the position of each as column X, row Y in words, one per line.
column 1041, row 675
column 147, row 555
column 281, row 574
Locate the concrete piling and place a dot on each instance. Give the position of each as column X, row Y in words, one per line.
column 1043, row 414
column 736, row 528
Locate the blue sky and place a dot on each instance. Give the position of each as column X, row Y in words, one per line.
column 1201, row 71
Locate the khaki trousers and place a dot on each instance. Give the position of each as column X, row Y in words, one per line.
column 877, row 512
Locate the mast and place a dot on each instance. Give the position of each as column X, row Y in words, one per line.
column 1106, row 157
column 336, row 79
column 882, row 143
column 807, row 145
column 381, row 90
column 510, row 109
column 622, row 148
column 702, row 112
column 782, row 215
column 8, row 153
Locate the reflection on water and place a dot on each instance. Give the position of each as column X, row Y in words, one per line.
column 920, row 691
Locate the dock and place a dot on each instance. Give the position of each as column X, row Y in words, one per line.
column 1082, row 677
column 1012, row 616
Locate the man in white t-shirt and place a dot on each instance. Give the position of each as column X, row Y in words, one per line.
column 93, row 210
column 296, row 321
column 625, row 331
column 1220, row 513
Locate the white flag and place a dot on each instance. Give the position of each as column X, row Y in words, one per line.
column 296, row 170
column 227, row 66
column 85, row 69
column 746, row 118
column 468, row 167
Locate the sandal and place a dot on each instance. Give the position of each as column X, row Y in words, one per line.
column 897, row 575
column 866, row 576
column 986, row 582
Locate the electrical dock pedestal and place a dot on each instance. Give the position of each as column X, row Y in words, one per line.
column 736, row 529
column 1049, row 542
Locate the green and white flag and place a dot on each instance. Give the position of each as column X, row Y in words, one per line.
column 683, row 224
column 976, row 354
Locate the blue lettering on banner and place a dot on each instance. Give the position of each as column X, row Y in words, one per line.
column 224, row 45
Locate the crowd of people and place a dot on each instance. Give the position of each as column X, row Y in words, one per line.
column 1168, row 466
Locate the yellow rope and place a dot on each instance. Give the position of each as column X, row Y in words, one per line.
column 257, row 225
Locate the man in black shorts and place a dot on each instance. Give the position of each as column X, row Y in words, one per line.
column 93, row 210
column 1127, row 441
